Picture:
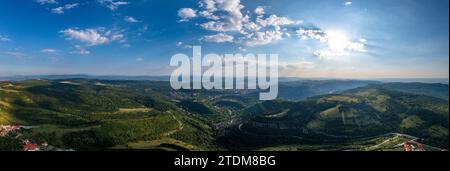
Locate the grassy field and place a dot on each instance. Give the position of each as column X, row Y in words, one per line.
column 164, row 144
column 134, row 110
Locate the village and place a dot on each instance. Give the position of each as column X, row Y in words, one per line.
column 27, row 144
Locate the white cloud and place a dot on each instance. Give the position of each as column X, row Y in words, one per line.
column 312, row 34
column 209, row 5
column 4, row 38
column 214, row 26
column 209, row 15
column 118, row 36
column 48, row 50
column 218, row 38
column 296, row 65
column 81, row 50
column 337, row 43
column 348, row 3
column 252, row 26
column 264, row 38
column 274, row 20
column 113, row 4
column 186, row 14
column 260, row 10
column 227, row 14
column 62, row 9
column 42, row 2
column 225, row 17
column 179, row 43
column 92, row 36
column 131, row 19
column 242, row 49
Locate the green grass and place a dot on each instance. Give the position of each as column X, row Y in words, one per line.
column 164, row 144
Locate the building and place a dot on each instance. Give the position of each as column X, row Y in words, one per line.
column 413, row 146
column 30, row 146
column 6, row 129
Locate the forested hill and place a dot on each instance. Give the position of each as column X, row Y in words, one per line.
column 90, row 114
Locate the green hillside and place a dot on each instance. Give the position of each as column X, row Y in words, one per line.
column 433, row 90
column 93, row 115
column 83, row 114
column 343, row 118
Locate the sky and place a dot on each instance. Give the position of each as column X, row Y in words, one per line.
column 313, row 38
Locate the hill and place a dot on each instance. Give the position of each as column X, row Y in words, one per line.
column 434, row 90
column 94, row 114
column 302, row 89
column 342, row 118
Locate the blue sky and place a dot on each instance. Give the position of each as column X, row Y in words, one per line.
column 320, row 38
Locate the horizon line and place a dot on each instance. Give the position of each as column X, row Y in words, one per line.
column 125, row 75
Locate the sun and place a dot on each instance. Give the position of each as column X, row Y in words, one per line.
column 337, row 41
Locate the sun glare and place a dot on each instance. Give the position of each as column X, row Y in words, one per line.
column 337, row 41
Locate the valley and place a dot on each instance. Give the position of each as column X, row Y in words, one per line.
column 310, row 115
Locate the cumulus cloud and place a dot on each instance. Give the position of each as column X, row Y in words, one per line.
column 260, row 10
column 214, row 26
column 348, row 3
column 113, row 4
column 42, row 2
column 62, row 9
column 226, row 14
column 218, row 38
column 316, row 34
column 186, row 14
column 92, row 36
column 258, row 28
column 209, row 15
column 264, row 38
column 251, row 26
column 274, row 20
column 226, row 18
column 131, row 19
